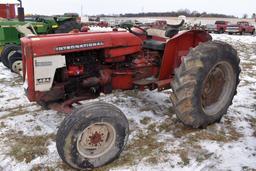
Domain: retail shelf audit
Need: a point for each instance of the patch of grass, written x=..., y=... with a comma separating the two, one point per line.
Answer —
x=170, y=111
x=63, y=166
x=11, y=99
x=16, y=112
x=42, y=168
x=38, y=128
x=226, y=134
x=146, y=108
x=201, y=158
x=230, y=134
x=152, y=160
x=152, y=128
x=183, y=153
x=142, y=146
x=246, y=168
x=27, y=148
x=127, y=159
x=180, y=130
x=2, y=125
x=252, y=122
x=145, y=120
x=166, y=126
x=131, y=93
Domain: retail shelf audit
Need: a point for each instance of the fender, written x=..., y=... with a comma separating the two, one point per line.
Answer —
x=177, y=47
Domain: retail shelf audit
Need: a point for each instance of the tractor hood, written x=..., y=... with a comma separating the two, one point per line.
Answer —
x=65, y=43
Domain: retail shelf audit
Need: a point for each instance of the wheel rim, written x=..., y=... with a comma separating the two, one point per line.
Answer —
x=17, y=66
x=217, y=88
x=96, y=140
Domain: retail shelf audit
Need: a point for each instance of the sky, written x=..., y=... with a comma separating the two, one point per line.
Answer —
x=92, y=7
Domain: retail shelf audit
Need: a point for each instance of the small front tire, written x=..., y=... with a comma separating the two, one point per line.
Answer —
x=92, y=136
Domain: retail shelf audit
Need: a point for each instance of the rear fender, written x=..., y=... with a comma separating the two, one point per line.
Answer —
x=179, y=46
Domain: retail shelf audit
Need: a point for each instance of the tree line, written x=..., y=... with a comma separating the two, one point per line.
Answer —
x=185, y=12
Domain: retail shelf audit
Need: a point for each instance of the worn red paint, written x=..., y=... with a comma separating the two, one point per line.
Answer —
x=115, y=46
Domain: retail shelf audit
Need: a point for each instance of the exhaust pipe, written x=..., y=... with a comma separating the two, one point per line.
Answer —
x=21, y=14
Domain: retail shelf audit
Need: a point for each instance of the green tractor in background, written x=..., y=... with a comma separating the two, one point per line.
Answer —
x=12, y=30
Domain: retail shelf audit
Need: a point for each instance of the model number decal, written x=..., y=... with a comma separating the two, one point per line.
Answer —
x=79, y=46
x=43, y=81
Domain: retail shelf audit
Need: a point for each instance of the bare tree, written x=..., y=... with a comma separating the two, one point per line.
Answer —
x=245, y=16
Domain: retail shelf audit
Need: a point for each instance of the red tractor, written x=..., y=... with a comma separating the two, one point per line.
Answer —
x=63, y=69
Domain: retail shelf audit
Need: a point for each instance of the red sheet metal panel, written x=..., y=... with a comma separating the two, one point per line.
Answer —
x=64, y=43
x=177, y=47
x=7, y=11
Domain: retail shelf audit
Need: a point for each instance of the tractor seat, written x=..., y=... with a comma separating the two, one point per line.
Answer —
x=154, y=45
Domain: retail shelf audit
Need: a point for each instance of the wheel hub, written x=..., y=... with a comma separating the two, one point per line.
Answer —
x=213, y=87
x=96, y=140
x=17, y=66
x=217, y=88
x=94, y=136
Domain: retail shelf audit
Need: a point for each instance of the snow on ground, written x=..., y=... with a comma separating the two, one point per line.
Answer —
x=158, y=141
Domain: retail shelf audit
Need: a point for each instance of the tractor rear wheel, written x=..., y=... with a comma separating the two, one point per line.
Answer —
x=68, y=26
x=205, y=84
x=7, y=52
x=92, y=136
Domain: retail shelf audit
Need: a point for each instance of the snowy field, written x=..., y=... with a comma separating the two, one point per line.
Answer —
x=157, y=142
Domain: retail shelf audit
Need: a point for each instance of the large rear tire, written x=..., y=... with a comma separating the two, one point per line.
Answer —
x=68, y=26
x=7, y=52
x=92, y=136
x=205, y=84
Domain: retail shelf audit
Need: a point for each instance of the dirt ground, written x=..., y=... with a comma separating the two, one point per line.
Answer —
x=158, y=141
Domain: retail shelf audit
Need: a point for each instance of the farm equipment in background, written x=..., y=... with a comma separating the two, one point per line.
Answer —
x=64, y=69
x=10, y=35
x=91, y=21
x=7, y=11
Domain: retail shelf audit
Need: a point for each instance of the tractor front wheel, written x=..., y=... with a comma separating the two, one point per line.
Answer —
x=205, y=84
x=92, y=136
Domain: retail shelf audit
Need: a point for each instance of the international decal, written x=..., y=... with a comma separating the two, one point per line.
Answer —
x=79, y=46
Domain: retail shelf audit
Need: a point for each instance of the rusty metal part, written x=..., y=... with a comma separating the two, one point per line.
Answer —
x=89, y=82
x=213, y=86
x=96, y=140
x=57, y=92
x=217, y=87
x=66, y=106
x=164, y=84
